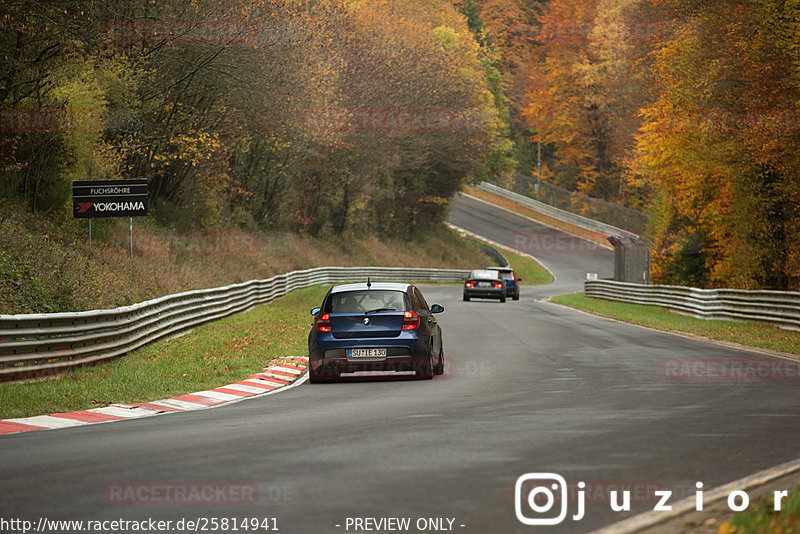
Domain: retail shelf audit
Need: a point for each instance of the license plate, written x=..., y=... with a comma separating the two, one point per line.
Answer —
x=484, y=284
x=366, y=353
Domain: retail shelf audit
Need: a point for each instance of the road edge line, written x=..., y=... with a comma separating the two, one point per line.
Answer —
x=687, y=505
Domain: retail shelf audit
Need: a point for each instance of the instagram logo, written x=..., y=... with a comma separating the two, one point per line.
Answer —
x=536, y=496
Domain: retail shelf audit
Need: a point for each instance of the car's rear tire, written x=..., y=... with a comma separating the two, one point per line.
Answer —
x=515, y=297
x=503, y=298
x=314, y=378
x=466, y=298
x=322, y=375
x=439, y=369
x=425, y=369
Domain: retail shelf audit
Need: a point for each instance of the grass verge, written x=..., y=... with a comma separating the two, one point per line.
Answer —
x=763, y=518
x=530, y=270
x=209, y=356
x=745, y=333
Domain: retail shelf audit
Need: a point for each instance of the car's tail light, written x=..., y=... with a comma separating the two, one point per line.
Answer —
x=324, y=323
x=513, y=277
x=470, y=284
x=410, y=320
x=498, y=284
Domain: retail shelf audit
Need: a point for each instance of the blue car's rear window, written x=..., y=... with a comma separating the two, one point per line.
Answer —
x=366, y=300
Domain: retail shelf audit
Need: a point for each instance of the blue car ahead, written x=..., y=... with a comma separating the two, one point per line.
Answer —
x=374, y=327
x=510, y=280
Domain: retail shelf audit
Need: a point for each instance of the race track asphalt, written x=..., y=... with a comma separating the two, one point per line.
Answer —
x=530, y=387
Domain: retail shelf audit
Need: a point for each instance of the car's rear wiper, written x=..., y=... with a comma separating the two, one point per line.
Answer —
x=379, y=310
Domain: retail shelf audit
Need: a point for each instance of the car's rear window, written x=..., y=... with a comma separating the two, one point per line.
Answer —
x=505, y=275
x=484, y=275
x=366, y=300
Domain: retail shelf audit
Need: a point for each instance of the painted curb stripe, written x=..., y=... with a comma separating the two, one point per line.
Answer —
x=158, y=408
x=199, y=399
x=249, y=388
x=281, y=373
x=48, y=421
x=294, y=365
x=262, y=383
x=271, y=371
x=89, y=417
x=286, y=369
x=273, y=376
x=217, y=395
x=9, y=427
x=237, y=392
x=126, y=411
x=180, y=404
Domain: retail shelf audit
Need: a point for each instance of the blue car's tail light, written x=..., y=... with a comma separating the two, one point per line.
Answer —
x=324, y=323
x=410, y=320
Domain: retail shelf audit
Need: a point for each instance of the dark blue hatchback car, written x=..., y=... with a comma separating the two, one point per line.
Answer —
x=374, y=327
x=509, y=279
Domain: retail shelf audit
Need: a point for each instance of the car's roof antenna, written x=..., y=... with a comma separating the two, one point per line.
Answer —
x=369, y=284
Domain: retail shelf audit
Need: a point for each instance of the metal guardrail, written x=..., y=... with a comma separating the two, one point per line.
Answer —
x=780, y=308
x=595, y=208
x=494, y=253
x=631, y=253
x=34, y=345
x=556, y=213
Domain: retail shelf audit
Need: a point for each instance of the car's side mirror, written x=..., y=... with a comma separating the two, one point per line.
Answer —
x=437, y=308
x=316, y=311
x=519, y=279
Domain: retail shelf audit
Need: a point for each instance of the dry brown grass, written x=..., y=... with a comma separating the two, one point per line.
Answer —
x=48, y=266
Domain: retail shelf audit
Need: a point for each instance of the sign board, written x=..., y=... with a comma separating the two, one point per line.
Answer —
x=109, y=198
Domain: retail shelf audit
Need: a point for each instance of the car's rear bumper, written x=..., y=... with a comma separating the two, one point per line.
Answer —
x=337, y=366
x=404, y=353
x=485, y=293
